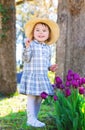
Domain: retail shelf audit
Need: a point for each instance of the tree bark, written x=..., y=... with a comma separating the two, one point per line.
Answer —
x=70, y=50
x=7, y=47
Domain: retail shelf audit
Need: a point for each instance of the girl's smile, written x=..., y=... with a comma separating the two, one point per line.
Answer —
x=41, y=32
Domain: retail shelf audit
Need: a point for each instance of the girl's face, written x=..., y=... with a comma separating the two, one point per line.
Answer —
x=41, y=32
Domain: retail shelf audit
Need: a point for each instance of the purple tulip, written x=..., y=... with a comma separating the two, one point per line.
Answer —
x=58, y=85
x=82, y=90
x=70, y=72
x=80, y=81
x=76, y=76
x=69, y=77
x=55, y=97
x=62, y=86
x=67, y=92
x=58, y=80
x=83, y=80
x=68, y=84
x=75, y=83
x=44, y=95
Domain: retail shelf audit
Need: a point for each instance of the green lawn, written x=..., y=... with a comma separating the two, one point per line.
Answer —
x=13, y=114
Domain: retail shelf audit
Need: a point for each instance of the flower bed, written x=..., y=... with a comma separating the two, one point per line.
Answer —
x=69, y=105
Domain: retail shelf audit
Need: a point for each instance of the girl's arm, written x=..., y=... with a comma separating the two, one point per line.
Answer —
x=51, y=67
x=27, y=54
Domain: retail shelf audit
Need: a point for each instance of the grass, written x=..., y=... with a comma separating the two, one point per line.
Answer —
x=13, y=114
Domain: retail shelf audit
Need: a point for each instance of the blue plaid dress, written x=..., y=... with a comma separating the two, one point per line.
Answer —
x=35, y=79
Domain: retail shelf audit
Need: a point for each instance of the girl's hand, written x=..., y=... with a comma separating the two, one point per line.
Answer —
x=27, y=42
x=53, y=68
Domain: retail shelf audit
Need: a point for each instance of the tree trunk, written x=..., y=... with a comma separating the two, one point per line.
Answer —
x=70, y=48
x=7, y=47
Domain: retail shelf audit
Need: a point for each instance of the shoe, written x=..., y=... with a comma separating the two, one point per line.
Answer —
x=35, y=123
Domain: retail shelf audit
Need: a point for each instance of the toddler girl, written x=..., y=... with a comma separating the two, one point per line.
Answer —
x=36, y=56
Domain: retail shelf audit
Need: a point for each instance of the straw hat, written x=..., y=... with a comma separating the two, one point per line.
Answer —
x=29, y=26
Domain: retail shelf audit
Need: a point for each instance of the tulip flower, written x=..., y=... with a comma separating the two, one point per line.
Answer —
x=55, y=97
x=67, y=92
x=76, y=76
x=69, y=77
x=82, y=90
x=70, y=72
x=75, y=83
x=44, y=95
x=58, y=80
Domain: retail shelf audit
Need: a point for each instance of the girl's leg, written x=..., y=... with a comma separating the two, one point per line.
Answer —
x=37, y=105
x=31, y=106
x=32, y=111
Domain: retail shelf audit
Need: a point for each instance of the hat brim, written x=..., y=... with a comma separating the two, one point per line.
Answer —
x=29, y=26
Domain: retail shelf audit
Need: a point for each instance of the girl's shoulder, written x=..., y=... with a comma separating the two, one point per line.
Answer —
x=33, y=42
x=48, y=46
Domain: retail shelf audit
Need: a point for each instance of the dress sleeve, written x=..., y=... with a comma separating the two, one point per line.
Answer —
x=27, y=54
x=49, y=59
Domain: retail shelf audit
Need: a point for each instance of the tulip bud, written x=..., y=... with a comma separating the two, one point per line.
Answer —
x=81, y=90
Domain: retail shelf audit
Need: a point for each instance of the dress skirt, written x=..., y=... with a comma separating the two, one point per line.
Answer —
x=35, y=84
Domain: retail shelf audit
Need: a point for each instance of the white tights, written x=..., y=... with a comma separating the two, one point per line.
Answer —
x=33, y=105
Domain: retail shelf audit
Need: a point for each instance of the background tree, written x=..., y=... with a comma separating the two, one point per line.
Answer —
x=7, y=47
x=70, y=49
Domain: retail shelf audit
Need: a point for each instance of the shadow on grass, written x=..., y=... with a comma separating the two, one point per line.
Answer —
x=17, y=121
